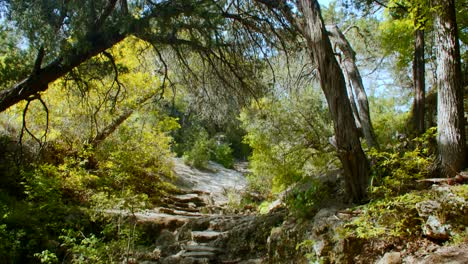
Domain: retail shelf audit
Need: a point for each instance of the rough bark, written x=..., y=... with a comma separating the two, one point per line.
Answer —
x=351, y=71
x=350, y=153
x=352, y=101
x=419, y=83
x=450, y=120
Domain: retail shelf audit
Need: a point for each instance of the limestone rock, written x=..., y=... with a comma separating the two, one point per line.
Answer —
x=390, y=258
x=205, y=236
x=435, y=229
x=165, y=238
x=427, y=208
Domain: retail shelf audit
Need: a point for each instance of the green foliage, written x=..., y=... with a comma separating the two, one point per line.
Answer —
x=402, y=18
x=11, y=54
x=137, y=158
x=204, y=149
x=397, y=39
x=397, y=216
x=222, y=154
x=393, y=217
x=199, y=154
x=307, y=246
x=306, y=198
x=47, y=257
x=394, y=172
x=289, y=139
x=83, y=249
x=387, y=118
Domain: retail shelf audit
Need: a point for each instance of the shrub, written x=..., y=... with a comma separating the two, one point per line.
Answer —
x=307, y=196
x=200, y=153
x=222, y=154
x=395, y=172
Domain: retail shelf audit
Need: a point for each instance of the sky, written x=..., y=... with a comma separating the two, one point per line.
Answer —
x=324, y=2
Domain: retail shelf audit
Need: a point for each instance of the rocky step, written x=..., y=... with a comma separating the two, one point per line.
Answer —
x=206, y=236
x=179, y=208
x=201, y=248
x=191, y=191
x=187, y=198
x=171, y=211
x=180, y=204
x=199, y=254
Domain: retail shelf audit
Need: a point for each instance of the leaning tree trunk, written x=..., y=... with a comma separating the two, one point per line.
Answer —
x=419, y=83
x=450, y=120
x=350, y=153
x=351, y=71
x=112, y=126
x=352, y=101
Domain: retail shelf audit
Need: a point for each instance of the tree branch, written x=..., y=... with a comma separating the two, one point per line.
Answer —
x=38, y=82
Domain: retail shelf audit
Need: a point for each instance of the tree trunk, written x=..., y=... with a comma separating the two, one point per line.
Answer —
x=350, y=153
x=110, y=128
x=450, y=120
x=351, y=71
x=352, y=101
x=419, y=83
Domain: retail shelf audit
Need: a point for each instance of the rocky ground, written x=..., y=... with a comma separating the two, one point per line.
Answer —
x=195, y=226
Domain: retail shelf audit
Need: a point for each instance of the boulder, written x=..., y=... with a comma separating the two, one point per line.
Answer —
x=435, y=229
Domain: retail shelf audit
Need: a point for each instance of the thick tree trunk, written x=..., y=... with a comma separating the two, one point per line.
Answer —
x=350, y=153
x=351, y=71
x=419, y=83
x=39, y=80
x=450, y=120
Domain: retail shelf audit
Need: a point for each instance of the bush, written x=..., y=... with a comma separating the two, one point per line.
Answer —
x=395, y=172
x=205, y=149
x=222, y=154
x=307, y=196
x=200, y=153
x=289, y=139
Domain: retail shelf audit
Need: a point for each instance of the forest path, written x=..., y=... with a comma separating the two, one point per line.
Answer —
x=195, y=225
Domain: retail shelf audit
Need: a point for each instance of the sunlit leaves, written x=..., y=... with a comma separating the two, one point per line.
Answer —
x=289, y=138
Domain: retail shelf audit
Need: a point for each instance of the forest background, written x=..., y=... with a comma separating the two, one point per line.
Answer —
x=97, y=97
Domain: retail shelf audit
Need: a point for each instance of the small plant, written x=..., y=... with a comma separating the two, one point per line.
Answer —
x=306, y=198
x=395, y=217
x=47, y=257
x=307, y=246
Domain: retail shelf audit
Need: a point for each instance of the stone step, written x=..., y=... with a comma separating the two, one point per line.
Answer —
x=199, y=254
x=187, y=198
x=205, y=236
x=177, y=202
x=190, y=191
x=201, y=248
x=186, y=209
x=171, y=211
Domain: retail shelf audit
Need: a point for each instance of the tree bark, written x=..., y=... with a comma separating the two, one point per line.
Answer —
x=350, y=153
x=419, y=83
x=450, y=120
x=352, y=101
x=351, y=71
